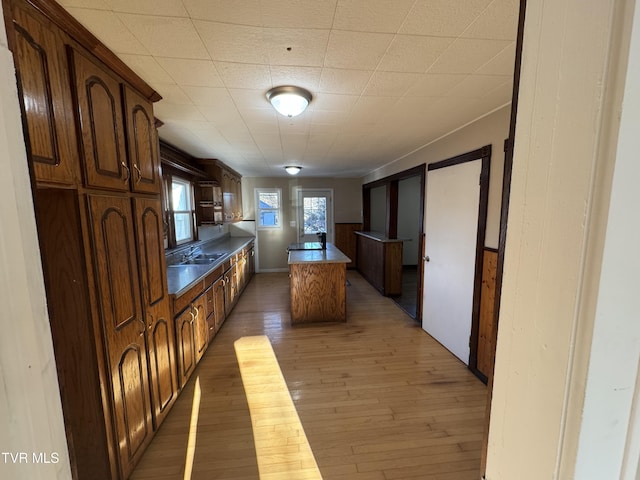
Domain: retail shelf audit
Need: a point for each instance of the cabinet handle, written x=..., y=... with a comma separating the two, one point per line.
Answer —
x=138, y=172
x=150, y=324
x=128, y=172
x=193, y=317
x=144, y=327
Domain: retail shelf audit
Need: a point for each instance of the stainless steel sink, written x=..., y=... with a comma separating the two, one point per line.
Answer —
x=213, y=256
x=201, y=259
x=198, y=261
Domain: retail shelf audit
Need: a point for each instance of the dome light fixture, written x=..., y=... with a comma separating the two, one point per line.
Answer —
x=288, y=100
x=292, y=169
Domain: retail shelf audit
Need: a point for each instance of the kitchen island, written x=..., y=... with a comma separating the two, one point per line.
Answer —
x=318, y=285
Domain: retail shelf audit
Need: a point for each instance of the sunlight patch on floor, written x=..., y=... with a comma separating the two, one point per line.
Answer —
x=193, y=431
x=282, y=449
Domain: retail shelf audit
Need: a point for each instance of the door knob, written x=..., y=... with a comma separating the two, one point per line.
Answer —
x=426, y=258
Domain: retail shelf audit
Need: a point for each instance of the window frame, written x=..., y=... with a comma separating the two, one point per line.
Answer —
x=259, y=210
x=169, y=212
x=189, y=212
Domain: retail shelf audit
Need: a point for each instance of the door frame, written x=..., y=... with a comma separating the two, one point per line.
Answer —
x=391, y=220
x=483, y=154
x=330, y=212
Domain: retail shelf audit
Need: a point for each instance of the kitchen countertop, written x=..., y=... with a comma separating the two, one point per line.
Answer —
x=181, y=278
x=305, y=246
x=330, y=255
x=379, y=237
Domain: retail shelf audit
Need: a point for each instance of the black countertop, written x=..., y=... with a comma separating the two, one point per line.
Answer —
x=305, y=246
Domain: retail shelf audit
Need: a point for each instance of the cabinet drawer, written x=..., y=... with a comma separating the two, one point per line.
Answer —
x=213, y=276
x=186, y=298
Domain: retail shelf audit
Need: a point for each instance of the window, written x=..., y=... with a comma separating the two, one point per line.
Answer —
x=182, y=208
x=269, y=208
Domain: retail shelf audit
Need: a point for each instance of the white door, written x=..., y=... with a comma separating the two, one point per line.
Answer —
x=451, y=227
x=315, y=214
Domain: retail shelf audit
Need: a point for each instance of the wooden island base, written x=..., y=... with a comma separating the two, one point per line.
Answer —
x=318, y=286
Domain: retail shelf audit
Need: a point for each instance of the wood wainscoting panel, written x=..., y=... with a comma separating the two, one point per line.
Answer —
x=345, y=240
x=486, y=348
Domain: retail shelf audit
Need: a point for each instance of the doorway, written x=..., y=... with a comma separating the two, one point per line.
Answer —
x=315, y=214
x=455, y=224
x=393, y=207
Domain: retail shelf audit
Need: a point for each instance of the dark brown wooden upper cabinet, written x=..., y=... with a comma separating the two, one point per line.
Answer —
x=99, y=105
x=143, y=143
x=42, y=71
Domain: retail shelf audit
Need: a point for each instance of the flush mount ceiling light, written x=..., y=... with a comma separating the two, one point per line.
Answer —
x=288, y=100
x=293, y=170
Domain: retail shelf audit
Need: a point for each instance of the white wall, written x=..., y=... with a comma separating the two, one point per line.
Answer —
x=271, y=245
x=567, y=353
x=30, y=410
x=609, y=441
x=378, y=209
x=493, y=129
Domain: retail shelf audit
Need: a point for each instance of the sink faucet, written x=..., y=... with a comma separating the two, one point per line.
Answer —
x=323, y=239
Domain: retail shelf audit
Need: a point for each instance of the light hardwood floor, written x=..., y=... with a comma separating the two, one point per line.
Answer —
x=378, y=398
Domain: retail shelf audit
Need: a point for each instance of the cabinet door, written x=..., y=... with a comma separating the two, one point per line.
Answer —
x=202, y=328
x=240, y=270
x=218, y=300
x=230, y=289
x=228, y=196
x=100, y=110
x=238, y=197
x=46, y=99
x=251, y=260
x=211, y=318
x=155, y=300
x=185, y=344
x=122, y=324
x=143, y=143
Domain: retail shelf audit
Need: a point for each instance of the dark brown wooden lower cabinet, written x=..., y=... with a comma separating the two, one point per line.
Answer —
x=110, y=320
x=230, y=289
x=156, y=306
x=192, y=330
x=122, y=324
x=185, y=344
x=218, y=303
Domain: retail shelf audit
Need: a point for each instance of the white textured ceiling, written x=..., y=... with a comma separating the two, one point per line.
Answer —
x=387, y=76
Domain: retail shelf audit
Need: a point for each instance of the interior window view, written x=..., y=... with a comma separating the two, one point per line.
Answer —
x=338, y=239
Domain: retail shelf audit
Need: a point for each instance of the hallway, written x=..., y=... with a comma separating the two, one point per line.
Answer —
x=377, y=397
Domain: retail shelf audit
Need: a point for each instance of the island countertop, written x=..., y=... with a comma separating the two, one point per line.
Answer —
x=330, y=255
x=379, y=237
